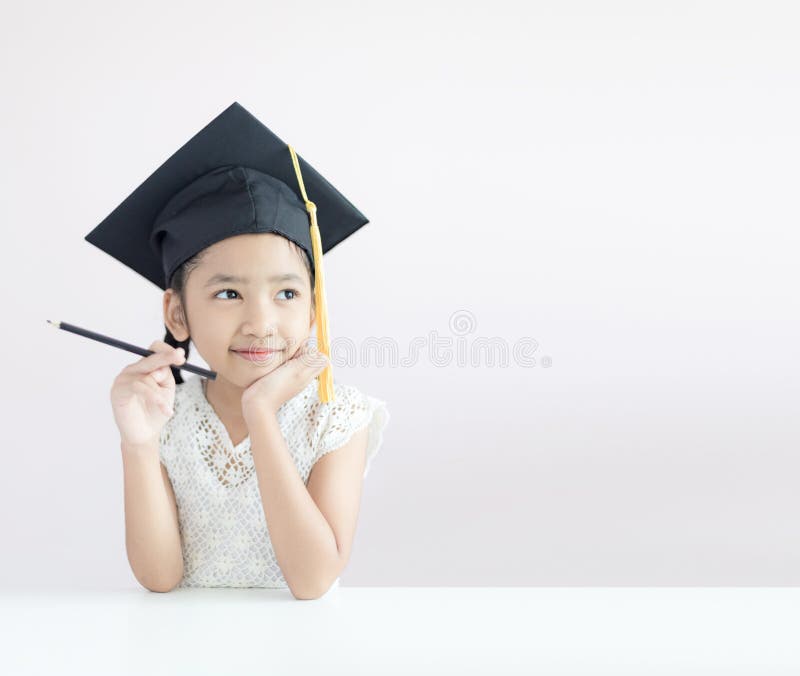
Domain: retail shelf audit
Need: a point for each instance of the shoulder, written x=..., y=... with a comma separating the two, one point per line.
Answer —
x=189, y=388
x=188, y=397
x=184, y=407
x=350, y=407
x=351, y=410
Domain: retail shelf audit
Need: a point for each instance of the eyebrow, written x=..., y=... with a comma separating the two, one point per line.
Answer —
x=224, y=278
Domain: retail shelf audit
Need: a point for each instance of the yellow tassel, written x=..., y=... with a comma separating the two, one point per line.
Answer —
x=326, y=393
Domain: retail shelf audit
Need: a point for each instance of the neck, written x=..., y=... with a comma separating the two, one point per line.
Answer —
x=225, y=397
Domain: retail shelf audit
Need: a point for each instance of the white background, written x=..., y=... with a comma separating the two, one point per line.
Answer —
x=616, y=181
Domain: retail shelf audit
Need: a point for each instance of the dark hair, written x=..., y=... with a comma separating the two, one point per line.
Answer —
x=178, y=284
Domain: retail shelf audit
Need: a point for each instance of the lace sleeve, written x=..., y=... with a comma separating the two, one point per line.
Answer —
x=166, y=442
x=164, y=445
x=349, y=412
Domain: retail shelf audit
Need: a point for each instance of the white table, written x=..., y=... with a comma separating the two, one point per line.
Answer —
x=381, y=630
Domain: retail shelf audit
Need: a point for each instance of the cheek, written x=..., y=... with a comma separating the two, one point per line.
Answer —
x=213, y=335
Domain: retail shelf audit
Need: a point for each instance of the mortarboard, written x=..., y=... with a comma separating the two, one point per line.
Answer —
x=233, y=177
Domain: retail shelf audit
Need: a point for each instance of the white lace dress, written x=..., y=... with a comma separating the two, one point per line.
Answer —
x=224, y=533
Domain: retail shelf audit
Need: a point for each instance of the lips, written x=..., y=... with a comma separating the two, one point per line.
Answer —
x=259, y=356
x=256, y=352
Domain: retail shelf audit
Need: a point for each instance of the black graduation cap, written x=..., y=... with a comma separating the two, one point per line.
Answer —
x=233, y=177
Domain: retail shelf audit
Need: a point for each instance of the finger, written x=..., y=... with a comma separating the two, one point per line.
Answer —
x=298, y=352
x=163, y=377
x=152, y=397
x=160, y=346
x=148, y=380
x=160, y=358
x=317, y=362
x=308, y=350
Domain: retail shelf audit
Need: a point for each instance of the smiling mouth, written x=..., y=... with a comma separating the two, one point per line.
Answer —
x=254, y=351
x=256, y=355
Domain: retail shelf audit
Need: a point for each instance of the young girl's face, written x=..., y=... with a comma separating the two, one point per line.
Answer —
x=267, y=304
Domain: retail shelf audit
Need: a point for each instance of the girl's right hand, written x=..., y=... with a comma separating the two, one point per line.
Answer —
x=143, y=395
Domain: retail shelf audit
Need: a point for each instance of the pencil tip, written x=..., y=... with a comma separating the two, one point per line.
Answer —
x=56, y=324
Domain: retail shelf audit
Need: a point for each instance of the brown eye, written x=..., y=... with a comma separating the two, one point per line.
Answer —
x=292, y=291
x=226, y=291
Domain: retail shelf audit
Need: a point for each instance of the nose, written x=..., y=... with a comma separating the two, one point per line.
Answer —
x=260, y=319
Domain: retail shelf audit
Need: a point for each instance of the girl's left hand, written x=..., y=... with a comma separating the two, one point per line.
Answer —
x=271, y=391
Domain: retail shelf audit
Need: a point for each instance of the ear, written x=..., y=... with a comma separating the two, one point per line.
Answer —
x=174, y=317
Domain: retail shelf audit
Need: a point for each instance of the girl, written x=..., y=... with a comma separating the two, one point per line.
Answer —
x=248, y=492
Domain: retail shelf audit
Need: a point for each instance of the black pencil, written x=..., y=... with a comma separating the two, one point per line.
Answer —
x=144, y=352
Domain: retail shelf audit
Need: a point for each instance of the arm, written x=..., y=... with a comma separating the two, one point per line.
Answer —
x=152, y=537
x=304, y=542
